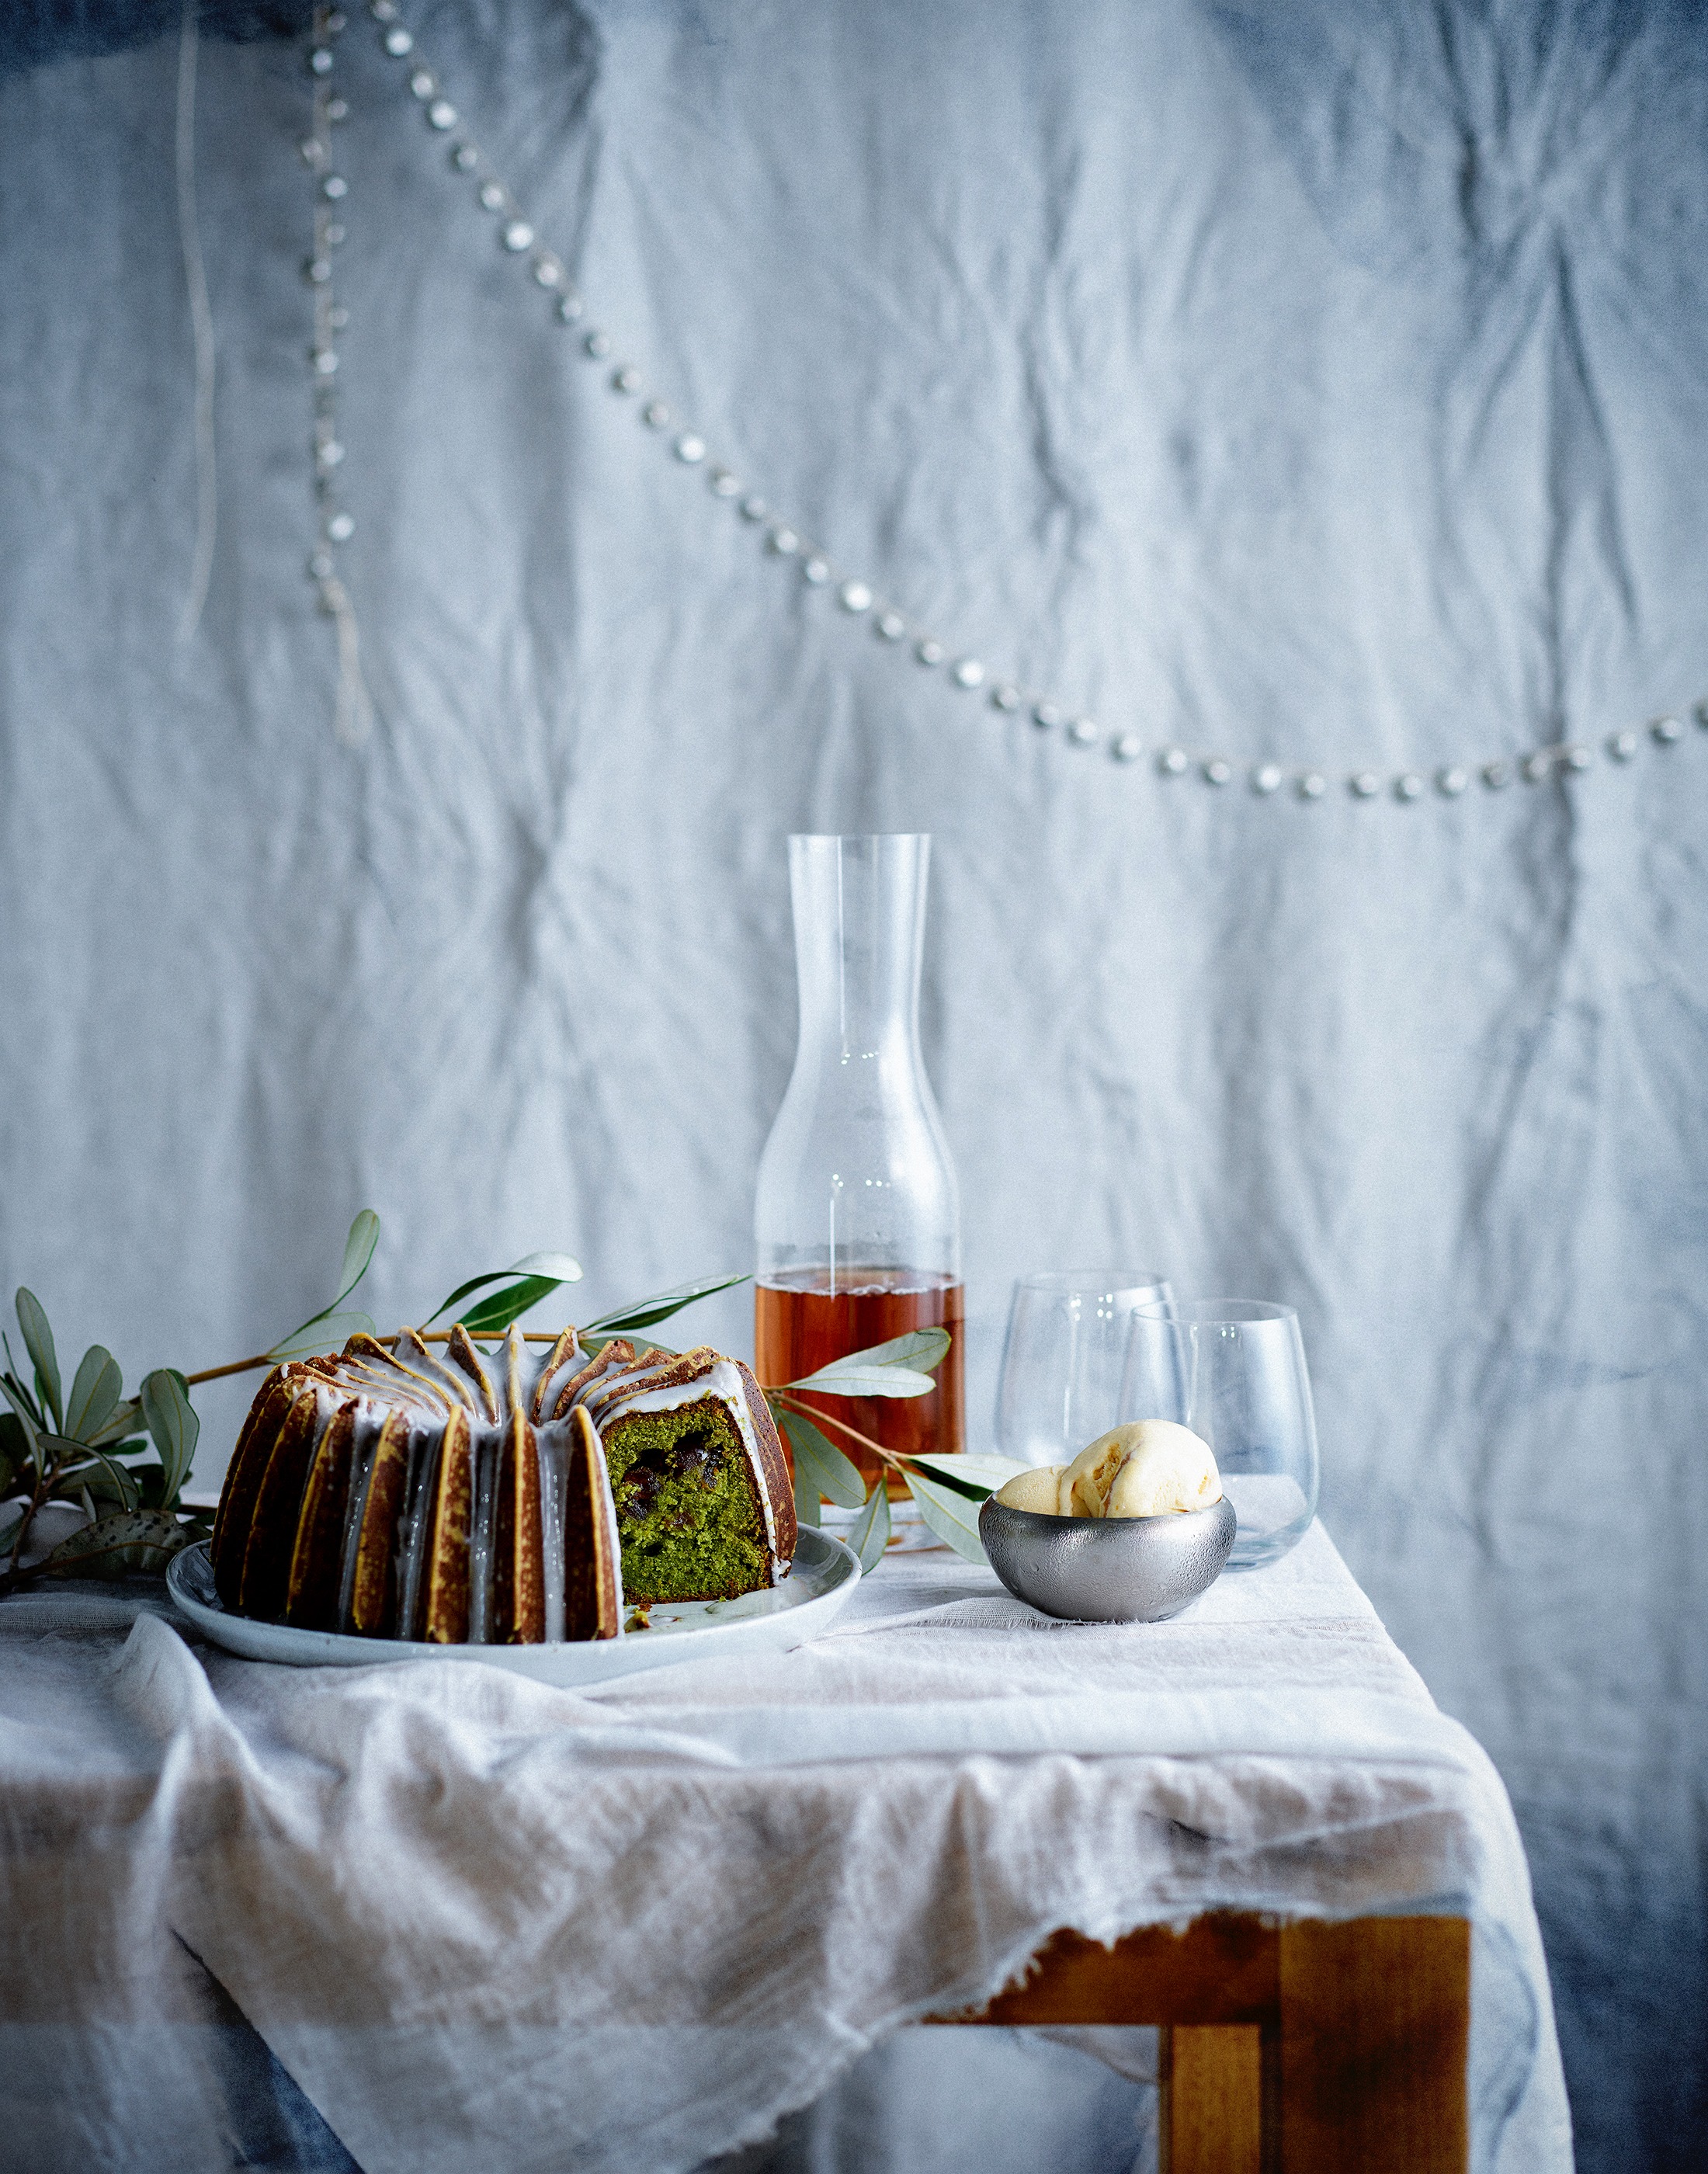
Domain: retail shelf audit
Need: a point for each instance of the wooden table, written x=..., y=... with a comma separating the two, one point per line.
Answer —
x=1308, y=2048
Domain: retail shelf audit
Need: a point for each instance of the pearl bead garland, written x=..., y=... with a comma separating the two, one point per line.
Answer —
x=817, y=570
x=353, y=714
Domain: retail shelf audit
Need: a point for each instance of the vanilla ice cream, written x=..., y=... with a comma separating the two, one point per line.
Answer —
x=1147, y=1469
x=1035, y=1490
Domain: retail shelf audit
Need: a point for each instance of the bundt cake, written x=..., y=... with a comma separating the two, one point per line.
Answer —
x=502, y=1498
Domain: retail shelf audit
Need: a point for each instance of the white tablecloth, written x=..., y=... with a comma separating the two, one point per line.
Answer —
x=487, y=1924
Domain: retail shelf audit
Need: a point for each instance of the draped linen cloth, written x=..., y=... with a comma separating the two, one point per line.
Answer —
x=1301, y=381
x=481, y=1921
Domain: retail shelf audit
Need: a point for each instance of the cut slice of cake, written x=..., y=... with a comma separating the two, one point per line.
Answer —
x=704, y=1505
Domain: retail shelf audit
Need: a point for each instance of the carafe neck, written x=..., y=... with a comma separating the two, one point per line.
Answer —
x=856, y=1180
x=859, y=909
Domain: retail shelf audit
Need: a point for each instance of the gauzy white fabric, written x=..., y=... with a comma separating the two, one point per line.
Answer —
x=484, y=1922
x=1305, y=379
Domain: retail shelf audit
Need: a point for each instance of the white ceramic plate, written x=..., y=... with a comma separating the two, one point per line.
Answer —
x=825, y=1574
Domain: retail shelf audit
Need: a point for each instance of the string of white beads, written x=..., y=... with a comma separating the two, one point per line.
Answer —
x=336, y=522
x=856, y=595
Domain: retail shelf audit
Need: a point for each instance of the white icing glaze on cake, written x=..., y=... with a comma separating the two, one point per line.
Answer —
x=498, y=1391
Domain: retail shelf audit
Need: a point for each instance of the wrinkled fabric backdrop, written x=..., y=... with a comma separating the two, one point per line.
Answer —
x=1303, y=382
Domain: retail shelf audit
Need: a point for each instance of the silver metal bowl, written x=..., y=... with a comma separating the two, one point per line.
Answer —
x=1108, y=1570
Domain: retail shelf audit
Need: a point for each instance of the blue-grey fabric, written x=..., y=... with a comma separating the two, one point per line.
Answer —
x=1304, y=381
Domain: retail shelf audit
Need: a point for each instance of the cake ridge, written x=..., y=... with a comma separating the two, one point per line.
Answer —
x=592, y=1550
x=609, y=1359
x=566, y=1352
x=462, y=1352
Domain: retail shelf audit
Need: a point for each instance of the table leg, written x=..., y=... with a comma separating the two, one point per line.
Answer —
x=1307, y=2048
x=1374, y=2030
x=1212, y=2099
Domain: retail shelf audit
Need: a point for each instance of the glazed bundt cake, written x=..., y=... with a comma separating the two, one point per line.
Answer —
x=467, y=1498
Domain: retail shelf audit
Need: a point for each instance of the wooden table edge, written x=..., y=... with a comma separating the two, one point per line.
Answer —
x=1303, y=2046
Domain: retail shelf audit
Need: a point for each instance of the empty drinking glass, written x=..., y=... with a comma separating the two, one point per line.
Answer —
x=1233, y=1370
x=1063, y=1360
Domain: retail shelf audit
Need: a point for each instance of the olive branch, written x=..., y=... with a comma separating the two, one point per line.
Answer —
x=948, y=1488
x=91, y=1448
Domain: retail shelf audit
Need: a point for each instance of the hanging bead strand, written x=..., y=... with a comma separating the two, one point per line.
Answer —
x=858, y=598
x=353, y=714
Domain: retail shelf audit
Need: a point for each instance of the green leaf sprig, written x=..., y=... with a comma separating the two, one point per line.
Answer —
x=83, y=1449
x=330, y=1327
x=648, y=1312
x=537, y=1275
x=948, y=1488
x=87, y=1447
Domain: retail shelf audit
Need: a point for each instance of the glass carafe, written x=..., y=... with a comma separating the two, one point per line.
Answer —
x=857, y=1219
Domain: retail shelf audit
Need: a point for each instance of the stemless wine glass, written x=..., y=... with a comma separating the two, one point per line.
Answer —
x=1063, y=1360
x=1233, y=1370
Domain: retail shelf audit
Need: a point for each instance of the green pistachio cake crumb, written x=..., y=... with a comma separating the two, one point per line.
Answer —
x=687, y=1516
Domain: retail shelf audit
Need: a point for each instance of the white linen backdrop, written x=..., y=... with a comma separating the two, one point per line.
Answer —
x=1304, y=382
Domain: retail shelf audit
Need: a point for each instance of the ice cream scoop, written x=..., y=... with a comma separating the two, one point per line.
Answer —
x=1035, y=1489
x=1088, y=1479
x=1146, y=1468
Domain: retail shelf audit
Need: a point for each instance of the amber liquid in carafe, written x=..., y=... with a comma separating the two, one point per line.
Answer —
x=801, y=1324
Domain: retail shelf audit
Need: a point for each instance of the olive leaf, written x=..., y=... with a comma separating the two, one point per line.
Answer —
x=894, y=1369
x=326, y=1325
x=849, y=1377
x=124, y=1419
x=325, y=1332
x=59, y=1452
x=646, y=1311
x=822, y=1462
x=119, y=1486
x=869, y=1534
x=38, y=1341
x=496, y=1313
x=949, y=1487
x=84, y=1467
x=172, y=1421
x=363, y=1236
x=540, y=1273
x=128, y=1540
x=807, y=1500
x=129, y=1486
x=12, y=1377
x=950, y=1516
x=923, y=1349
x=974, y=1477
x=95, y=1393
x=24, y=1413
